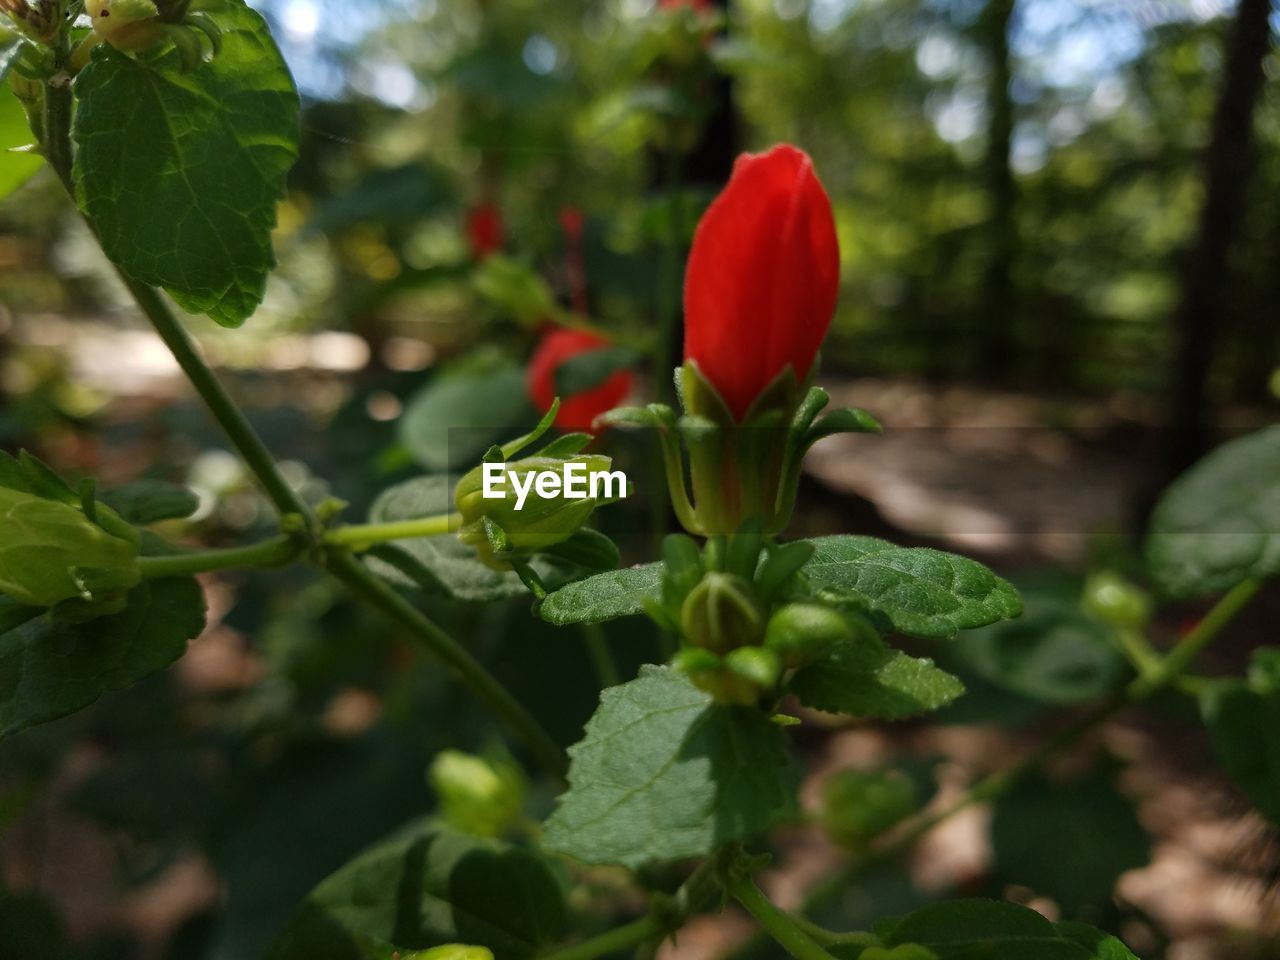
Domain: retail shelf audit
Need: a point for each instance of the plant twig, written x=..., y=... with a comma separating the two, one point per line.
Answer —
x=361, y=535
x=665, y=916
x=276, y=552
x=790, y=935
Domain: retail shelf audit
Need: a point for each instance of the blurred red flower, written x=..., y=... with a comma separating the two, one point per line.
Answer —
x=576, y=411
x=484, y=230
x=761, y=283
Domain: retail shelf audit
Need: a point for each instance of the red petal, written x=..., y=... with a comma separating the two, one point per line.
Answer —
x=762, y=278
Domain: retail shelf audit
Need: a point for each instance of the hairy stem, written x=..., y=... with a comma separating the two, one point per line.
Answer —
x=790, y=935
x=276, y=552
x=361, y=535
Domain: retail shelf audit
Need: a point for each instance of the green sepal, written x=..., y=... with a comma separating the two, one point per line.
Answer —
x=844, y=420
x=780, y=567
x=682, y=569
x=699, y=398
x=569, y=445
x=512, y=447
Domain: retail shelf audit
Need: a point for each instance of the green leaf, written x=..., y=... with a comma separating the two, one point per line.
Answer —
x=1046, y=836
x=1053, y=654
x=1219, y=523
x=49, y=668
x=865, y=678
x=150, y=501
x=16, y=168
x=452, y=421
x=1244, y=722
x=180, y=172
x=592, y=368
x=995, y=930
x=923, y=592
x=606, y=596
x=423, y=887
x=663, y=773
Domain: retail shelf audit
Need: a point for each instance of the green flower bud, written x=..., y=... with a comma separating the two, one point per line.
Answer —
x=537, y=502
x=721, y=614
x=130, y=26
x=1116, y=601
x=451, y=951
x=756, y=664
x=477, y=796
x=799, y=633
x=53, y=553
x=858, y=806
x=708, y=672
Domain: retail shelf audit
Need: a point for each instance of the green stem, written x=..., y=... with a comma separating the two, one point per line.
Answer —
x=666, y=917
x=1189, y=647
x=601, y=658
x=229, y=416
x=792, y=936
x=57, y=117
x=380, y=594
x=613, y=941
x=57, y=150
x=361, y=535
x=275, y=552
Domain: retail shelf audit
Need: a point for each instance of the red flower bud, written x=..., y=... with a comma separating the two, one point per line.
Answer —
x=579, y=410
x=702, y=6
x=760, y=288
x=484, y=230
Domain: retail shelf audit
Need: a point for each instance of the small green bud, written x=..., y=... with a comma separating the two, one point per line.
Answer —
x=130, y=26
x=695, y=660
x=858, y=806
x=537, y=502
x=52, y=552
x=477, y=796
x=756, y=664
x=451, y=951
x=799, y=633
x=1116, y=601
x=721, y=614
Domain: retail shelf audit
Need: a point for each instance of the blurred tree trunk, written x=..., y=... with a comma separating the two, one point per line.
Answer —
x=1206, y=270
x=710, y=162
x=997, y=319
x=706, y=166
